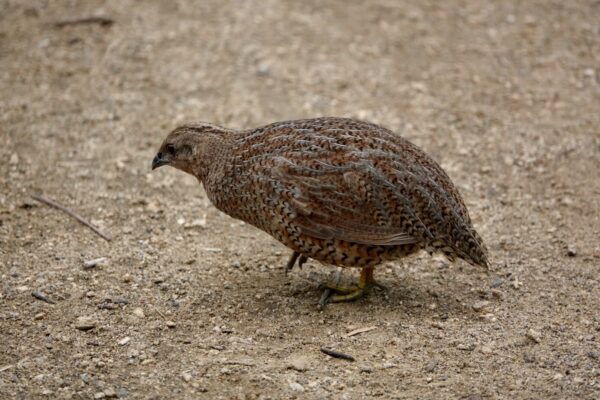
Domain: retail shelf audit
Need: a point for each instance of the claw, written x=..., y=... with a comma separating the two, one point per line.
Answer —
x=353, y=293
x=350, y=296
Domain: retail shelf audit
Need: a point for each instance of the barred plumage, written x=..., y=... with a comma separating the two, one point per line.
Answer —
x=341, y=191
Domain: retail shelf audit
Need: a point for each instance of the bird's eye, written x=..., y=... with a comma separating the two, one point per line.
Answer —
x=170, y=149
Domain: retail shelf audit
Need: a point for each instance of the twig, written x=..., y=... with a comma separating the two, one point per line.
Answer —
x=43, y=199
x=42, y=297
x=161, y=314
x=360, y=330
x=238, y=362
x=94, y=262
x=102, y=21
x=336, y=354
x=327, y=292
x=2, y=369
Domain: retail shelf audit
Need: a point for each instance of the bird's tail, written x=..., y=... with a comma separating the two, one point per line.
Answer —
x=469, y=247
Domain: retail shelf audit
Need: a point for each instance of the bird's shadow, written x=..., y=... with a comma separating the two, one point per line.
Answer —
x=434, y=295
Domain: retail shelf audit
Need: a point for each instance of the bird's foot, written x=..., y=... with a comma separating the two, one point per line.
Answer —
x=340, y=289
x=343, y=294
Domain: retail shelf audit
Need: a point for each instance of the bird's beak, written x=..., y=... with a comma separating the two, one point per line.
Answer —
x=158, y=161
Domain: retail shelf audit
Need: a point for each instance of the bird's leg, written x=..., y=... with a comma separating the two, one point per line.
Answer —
x=302, y=260
x=365, y=282
x=290, y=264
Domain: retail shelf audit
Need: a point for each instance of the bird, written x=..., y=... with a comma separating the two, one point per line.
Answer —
x=341, y=191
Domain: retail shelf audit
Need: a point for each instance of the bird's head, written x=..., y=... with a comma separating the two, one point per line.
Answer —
x=191, y=147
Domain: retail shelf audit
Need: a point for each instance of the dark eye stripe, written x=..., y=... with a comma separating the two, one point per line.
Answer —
x=171, y=149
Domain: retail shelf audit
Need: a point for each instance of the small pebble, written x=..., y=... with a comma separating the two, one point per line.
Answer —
x=85, y=323
x=299, y=364
x=171, y=324
x=39, y=316
x=534, y=335
x=557, y=376
x=366, y=369
x=488, y=317
x=571, y=251
x=186, y=376
x=213, y=249
x=26, y=205
x=465, y=347
x=110, y=393
x=197, y=223
x=431, y=365
x=99, y=395
x=124, y=341
x=41, y=296
x=480, y=305
x=516, y=283
x=94, y=262
x=296, y=387
x=438, y=325
x=139, y=312
x=225, y=371
x=496, y=282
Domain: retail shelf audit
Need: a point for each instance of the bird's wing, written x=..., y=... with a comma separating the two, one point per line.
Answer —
x=350, y=202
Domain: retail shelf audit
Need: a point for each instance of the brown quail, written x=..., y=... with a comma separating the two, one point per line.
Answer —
x=341, y=191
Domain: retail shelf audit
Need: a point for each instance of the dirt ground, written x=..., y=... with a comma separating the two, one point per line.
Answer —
x=190, y=303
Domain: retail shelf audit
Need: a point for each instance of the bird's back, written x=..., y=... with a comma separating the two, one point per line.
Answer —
x=332, y=182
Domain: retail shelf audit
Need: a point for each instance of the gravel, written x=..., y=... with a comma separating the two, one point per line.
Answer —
x=503, y=94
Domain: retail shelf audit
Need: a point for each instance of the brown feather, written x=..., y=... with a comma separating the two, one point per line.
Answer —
x=338, y=190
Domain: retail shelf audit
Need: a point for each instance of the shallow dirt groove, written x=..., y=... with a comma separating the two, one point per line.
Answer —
x=190, y=303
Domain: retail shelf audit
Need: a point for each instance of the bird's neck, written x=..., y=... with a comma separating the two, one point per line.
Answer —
x=214, y=158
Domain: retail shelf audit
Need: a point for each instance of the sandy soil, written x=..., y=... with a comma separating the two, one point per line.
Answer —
x=193, y=304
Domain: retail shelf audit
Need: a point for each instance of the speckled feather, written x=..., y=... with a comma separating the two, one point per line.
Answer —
x=341, y=191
